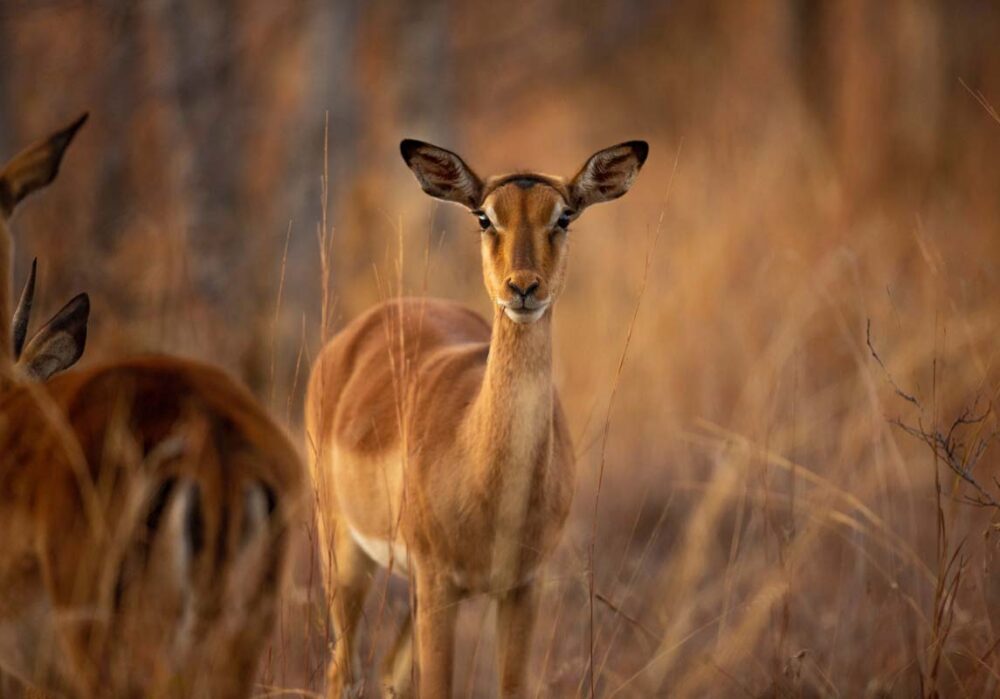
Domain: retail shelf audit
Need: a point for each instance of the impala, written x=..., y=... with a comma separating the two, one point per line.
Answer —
x=144, y=508
x=437, y=443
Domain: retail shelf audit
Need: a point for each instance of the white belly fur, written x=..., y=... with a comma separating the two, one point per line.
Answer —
x=384, y=552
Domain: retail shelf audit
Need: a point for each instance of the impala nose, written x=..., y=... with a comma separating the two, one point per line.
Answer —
x=523, y=287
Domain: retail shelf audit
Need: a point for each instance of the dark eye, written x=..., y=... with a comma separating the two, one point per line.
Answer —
x=564, y=219
x=484, y=220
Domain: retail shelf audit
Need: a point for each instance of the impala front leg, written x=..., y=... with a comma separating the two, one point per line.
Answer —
x=515, y=622
x=437, y=610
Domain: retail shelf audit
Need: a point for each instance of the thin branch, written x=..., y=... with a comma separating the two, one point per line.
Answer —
x=900, y=392
x=951, y=446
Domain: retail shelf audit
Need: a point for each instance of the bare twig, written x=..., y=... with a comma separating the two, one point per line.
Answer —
x=959, y=447
x=899, y=392
x=650, y=634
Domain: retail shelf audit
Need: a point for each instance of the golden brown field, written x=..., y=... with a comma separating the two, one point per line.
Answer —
x=823, y=185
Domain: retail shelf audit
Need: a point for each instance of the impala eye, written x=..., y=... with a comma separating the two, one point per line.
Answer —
x=564, y=219
x=484, y=220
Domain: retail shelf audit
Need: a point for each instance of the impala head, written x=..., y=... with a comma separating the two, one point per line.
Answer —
x=525, y=218
x=30, y=170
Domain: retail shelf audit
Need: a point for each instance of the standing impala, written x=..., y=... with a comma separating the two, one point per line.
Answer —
x=144, y=507
x=437, y=443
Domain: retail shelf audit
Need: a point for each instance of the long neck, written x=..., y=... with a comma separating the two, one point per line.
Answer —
x=6, y=302
x=511, y=436
x=512, y=415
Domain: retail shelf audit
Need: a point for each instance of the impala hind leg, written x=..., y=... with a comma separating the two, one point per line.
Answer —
x=397, y=669
x=347, y=578
x=516, y=611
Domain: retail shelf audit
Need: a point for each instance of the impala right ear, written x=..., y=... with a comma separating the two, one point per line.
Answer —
x=34, y=167
x=59, y=344
x=442, y=174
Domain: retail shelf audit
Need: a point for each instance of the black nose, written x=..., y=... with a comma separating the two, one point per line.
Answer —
x=523, y=292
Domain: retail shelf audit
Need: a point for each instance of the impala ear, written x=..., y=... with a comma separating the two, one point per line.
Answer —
x=442, y=174
x=59, y=344
x=608, y=173
x=22, y=314
x=34, y=167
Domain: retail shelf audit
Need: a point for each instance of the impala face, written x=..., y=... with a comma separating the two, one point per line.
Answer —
x=524, y=223
x=524, y=219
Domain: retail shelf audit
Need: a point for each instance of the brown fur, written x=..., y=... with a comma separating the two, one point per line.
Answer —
x=431, y=429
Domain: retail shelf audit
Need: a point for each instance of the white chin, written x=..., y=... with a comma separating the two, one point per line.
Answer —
x=525, y=317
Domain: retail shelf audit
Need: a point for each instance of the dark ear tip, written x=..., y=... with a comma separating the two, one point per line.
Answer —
x=70, y=131
x=409, y=146
x=80, y=305
x=84, y=319
x=641, y=149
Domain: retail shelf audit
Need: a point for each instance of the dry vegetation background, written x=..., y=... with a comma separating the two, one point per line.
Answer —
x=762, y=527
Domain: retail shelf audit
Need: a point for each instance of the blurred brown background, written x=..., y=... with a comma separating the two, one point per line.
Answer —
x=762, y=528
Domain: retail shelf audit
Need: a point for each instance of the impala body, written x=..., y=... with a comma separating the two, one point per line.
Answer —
x=437, y=442
x=144, y=507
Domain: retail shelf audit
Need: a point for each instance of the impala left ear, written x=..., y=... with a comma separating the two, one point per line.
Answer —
x=608, y=173
x=59, y=344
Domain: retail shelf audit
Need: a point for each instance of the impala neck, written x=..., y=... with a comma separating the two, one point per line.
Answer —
x=513, y=413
